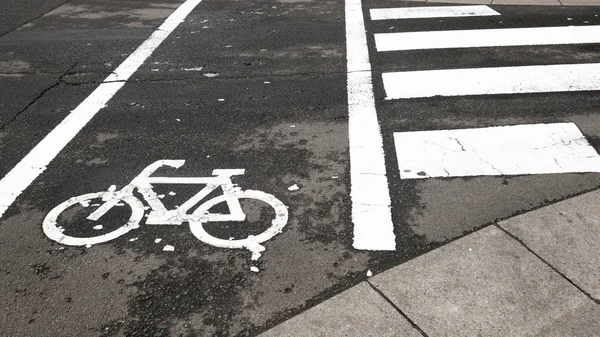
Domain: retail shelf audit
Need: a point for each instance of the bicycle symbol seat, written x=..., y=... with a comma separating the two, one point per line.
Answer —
x=159, y=215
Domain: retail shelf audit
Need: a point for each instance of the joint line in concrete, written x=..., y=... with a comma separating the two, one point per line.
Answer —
x=597, y=301
x=412, y=323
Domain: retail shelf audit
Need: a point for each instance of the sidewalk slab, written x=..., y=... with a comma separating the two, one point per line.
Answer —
x=528, y=2
x=519, y=2
x=580, y=2
x=359, y=311
x=486, y=284
x=567, y=236
x=482, y=2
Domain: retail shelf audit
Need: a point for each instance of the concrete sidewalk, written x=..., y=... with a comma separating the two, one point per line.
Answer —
x=519, y=2
x=537, y=274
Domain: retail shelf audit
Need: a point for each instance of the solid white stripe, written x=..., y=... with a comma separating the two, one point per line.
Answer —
x=487, y=38
x=495, y=151
x=35, y=162
x=430, y=12
x=371, y=213
x=487, y=81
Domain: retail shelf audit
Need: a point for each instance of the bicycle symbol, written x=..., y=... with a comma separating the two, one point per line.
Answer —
x=159, y=215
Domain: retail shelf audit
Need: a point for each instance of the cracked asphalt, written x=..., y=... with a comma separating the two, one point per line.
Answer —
x=258, y=85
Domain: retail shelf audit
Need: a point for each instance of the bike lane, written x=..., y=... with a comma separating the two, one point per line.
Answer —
x=51, y=64
x=258, y=86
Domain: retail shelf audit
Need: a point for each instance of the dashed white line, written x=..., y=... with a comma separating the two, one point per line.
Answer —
x=430, y=12
x=371, y=213
x=487, y=81
x=495, y=151
x=487, y=38
x=35, y=162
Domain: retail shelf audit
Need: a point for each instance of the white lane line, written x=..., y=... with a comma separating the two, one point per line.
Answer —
x=495, y=151
x=371, y=213
x=488, y=81
x=430, y=12
x=487, y=38
x=35, y=162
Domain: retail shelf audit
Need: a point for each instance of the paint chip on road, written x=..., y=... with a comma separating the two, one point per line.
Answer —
x=254, y=269
x=293, y=188
x=168, y=248
x=495, y=151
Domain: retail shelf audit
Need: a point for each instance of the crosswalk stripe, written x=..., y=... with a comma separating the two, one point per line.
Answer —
x=504, y=150
x=487, y=81
x=487, y=38
x=430, y=12
x=371, y=213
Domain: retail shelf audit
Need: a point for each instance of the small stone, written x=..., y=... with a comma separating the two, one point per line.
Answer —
x=157, y=240
x=254, y=269
x=369, y=273
x=293, y=188
x=97, y=227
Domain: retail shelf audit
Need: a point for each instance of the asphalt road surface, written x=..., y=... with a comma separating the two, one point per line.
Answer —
x=253, y=85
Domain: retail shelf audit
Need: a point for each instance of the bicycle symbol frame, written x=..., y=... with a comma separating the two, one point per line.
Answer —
x=160, y=215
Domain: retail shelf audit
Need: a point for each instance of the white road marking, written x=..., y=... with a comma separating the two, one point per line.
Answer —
x=430, y=12
x=160, y=215
x=489, y=81
x=487, y=38
x=371, y=213
x=35, y=162
x=495, y=151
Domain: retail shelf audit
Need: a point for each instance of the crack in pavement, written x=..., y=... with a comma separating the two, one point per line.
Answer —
x=35, y=99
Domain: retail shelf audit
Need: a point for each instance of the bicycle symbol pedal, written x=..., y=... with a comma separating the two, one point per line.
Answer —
x=160, y=215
